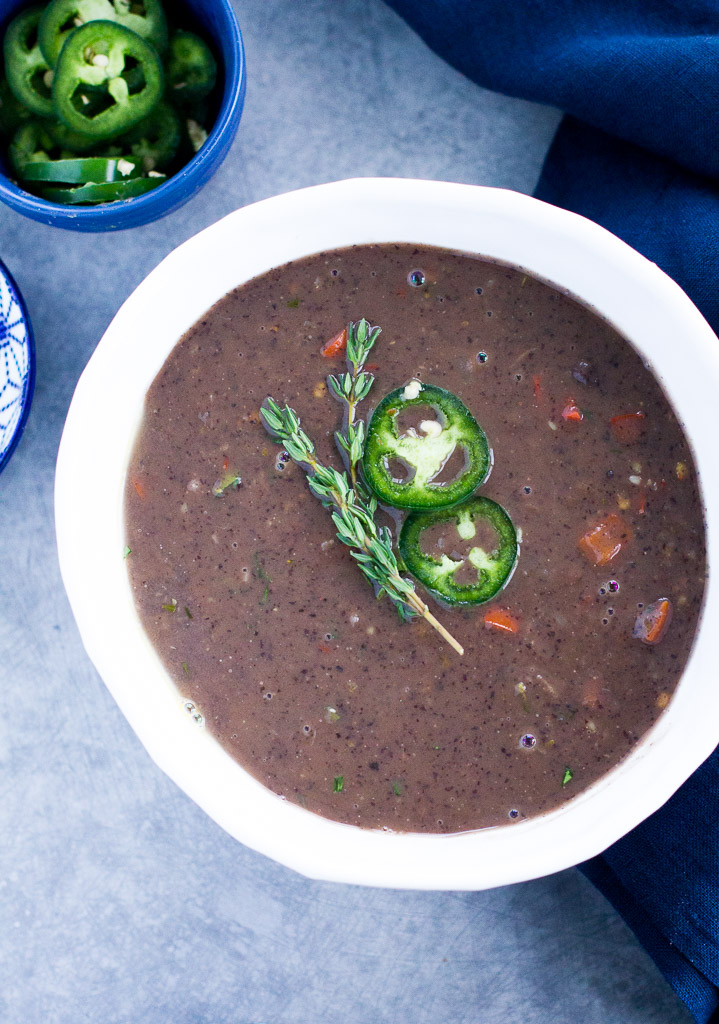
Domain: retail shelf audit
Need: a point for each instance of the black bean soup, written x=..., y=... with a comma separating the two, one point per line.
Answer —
x=276, y=640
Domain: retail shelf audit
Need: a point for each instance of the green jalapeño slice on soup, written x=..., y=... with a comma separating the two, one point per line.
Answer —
x=405, y=464
x=332, y=576
x=484, y=528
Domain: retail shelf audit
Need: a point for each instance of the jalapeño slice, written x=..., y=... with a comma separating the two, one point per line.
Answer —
x=95, y=90
x=28, y=73
x=403, y=466
x=81, y=171
x=12, y=112
x=71, y=141
x=30, y=143
x=104, y=192
x=489, y=563
x=61, y=17
x=190, y=68
x=156, y=139
x=147, y=19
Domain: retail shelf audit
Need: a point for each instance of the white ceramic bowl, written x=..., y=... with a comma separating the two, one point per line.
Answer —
x=576, y=255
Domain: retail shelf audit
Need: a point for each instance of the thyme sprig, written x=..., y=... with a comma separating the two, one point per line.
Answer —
x=351, y=388
x=353, y=516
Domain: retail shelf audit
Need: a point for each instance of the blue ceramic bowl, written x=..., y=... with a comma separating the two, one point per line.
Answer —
x=216, y=19
x=17, y=365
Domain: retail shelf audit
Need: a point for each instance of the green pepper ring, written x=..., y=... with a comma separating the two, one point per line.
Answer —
x=30, y=143
x=82, y=170
x=67, y=139
x=383, y=443
x=24, y=63
x=156, y=139
x=59, y=13
x=494, y=570
x=13, y=113
x=190, y=68
x=152, y=25
x=106, y=192
x=110, y=44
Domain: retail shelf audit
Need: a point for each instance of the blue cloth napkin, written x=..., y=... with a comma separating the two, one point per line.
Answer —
x=639, y=154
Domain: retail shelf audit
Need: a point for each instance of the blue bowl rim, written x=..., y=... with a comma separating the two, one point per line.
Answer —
x=177, y=189
x=30, y=388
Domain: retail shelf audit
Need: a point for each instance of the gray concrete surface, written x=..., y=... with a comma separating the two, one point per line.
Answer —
x=120, y=902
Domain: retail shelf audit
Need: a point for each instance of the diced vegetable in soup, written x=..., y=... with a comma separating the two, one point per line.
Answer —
x=417, y=536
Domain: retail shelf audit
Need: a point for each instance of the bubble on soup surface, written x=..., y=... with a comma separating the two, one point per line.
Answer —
x=528, y=741
x=513, y=813
x=191, y=709
x=482, y=357
x=416, y=278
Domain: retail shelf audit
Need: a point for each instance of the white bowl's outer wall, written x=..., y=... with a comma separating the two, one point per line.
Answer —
x=641, y=301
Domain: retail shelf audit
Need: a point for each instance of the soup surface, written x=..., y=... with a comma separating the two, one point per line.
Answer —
x=275, y=638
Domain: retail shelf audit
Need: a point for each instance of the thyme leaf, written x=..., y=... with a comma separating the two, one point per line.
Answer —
x=353, y=516
x=351, y=389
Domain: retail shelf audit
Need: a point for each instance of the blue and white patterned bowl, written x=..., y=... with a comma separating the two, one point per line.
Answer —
x=17, y=365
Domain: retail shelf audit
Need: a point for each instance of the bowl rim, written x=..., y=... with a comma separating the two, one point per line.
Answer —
x=359, y=210
x=30, y=385
x=182, y=185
